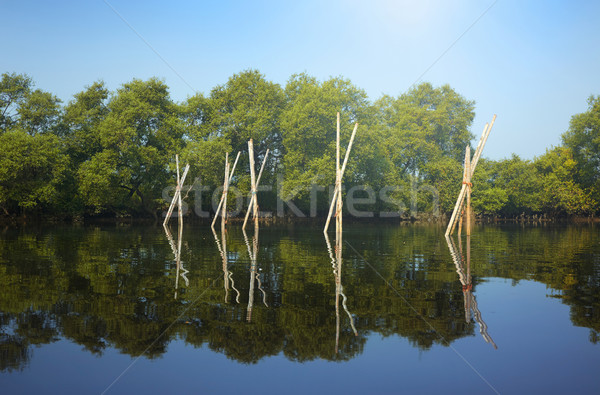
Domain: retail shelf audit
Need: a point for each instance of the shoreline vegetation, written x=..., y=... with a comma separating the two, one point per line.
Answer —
x=111, y=155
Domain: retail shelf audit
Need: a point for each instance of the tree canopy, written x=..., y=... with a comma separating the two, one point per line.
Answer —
x=112, y=153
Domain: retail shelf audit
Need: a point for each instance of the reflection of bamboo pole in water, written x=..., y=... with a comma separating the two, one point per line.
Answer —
x=227, y=274
x=482, y=324
x=465, y=280
x=222, y=246
x=255, y=245
x=336, y=264
x=176, y=248
x=254, y=275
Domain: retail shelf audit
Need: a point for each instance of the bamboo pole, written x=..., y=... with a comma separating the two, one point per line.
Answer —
x=179, y=203
x=480, y=150
x=225, y=190
x=217, y=211
x=253, y=195
x=461, y=196
x=253, y=181
x=466, y=169
x=337, y=191
x=338, y=181
x=468, y=182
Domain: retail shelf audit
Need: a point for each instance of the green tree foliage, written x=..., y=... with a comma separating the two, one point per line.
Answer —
x=39, y=112
x=309, y=129
x=137, y=138
x=562, y=194
x=81, y=120
x=14, y=88
x=583, y=138
x=113, y=152
x=32, y=169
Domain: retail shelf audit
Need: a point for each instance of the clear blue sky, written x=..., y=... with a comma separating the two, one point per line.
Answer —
x=534, y=63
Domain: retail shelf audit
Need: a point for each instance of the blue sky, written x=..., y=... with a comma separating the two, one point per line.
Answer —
x=534, y=63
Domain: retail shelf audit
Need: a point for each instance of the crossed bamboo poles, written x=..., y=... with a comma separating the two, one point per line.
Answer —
x=465, y=191
x=336, y=201
x=254, y=183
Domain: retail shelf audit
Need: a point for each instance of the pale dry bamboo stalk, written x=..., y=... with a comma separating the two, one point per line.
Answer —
x=337, y=189
x=179, y=203
x=218, y=210
x=480, y=150
x=253, y=180
x=468, y=182
x=466, y=171
x=175, y=196
x=253, y=195
x=338, y=181
x=225, y=190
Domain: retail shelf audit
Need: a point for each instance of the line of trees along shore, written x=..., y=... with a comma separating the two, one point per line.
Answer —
x=113, y=153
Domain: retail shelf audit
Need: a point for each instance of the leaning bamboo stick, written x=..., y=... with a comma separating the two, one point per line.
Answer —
x=253, y=195
x=253, y=180
x=225, y=190
x=337, y=189
x=478, y=152
x=468, y=182
x=218, y=210
x=338, y=182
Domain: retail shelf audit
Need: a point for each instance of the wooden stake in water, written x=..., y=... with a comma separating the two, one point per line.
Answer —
x=253, y=195
x=468, y=182
x=225, y=189
x=466, y=169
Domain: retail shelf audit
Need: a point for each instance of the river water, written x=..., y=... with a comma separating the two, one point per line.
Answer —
x=387, y=309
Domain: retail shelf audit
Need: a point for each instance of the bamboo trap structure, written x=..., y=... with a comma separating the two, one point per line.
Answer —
x=336, y=264
x=177, y=195
x=470, y=302
x=222, y=207
x=465, y=191
x=336, y=201
x=253, y=203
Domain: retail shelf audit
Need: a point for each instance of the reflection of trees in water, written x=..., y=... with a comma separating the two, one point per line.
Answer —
x=114, y=288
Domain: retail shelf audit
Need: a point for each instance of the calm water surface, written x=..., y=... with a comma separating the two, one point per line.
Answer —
x=396, y=309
